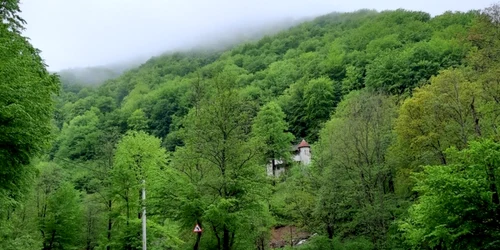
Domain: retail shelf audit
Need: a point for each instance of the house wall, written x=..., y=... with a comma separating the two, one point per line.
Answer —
x=279, y=168
x=304, y=156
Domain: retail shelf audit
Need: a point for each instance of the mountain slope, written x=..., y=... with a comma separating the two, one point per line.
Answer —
x=392, y=51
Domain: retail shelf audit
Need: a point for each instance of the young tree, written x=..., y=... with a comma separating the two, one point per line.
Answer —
x=59, y=209
x=21, y=228
x=61, y=225
x=270, y=134
x=138, y=155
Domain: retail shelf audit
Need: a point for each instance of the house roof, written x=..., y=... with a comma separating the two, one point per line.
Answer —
x=303, y=144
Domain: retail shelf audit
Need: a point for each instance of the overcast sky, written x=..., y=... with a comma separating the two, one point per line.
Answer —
x=81, y=33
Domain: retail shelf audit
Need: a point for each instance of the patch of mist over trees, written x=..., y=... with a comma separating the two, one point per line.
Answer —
x=89, y=75
x=216, y=42
x=401, y=109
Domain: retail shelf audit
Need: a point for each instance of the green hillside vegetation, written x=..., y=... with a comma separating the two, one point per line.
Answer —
x=401, y=108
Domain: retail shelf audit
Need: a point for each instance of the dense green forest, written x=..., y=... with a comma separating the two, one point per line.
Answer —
x=401, y=109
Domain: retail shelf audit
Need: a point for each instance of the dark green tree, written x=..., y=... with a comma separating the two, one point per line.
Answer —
x=26, y=105
x=355, y=187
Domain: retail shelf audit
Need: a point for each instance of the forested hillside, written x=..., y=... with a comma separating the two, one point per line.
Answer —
x=90, y=75
x=402, y=110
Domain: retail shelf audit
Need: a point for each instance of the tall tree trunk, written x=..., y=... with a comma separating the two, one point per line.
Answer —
x=493, y=187
x=52, y=238
x=139, y=214
x=231, y=242
x=476, y=118
x=260, y=242
x=197, y=243
x=329, y=230
x=225, y=239
x=128, y=210
x=110, y=225
x=274, y=167
x=391, y=183
x=128, y=246
x=442, y=157
x=217, y=236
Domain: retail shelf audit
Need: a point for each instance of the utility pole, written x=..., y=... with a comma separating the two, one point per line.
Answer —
x=144, y=247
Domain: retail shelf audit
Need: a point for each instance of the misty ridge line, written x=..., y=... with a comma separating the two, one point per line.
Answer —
x=211, y=42
x=208, y=42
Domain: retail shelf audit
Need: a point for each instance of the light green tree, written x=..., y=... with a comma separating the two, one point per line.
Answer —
x=59, y=209
x=61, y=224
x=138, y=120
x=466, y=191
x=270, y=134
x=138, y=157
x=451, y=111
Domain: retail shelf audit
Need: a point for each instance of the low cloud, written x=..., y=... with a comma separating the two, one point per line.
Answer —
x=82, y=33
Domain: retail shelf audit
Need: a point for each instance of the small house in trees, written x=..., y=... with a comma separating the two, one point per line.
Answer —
x=301, y=154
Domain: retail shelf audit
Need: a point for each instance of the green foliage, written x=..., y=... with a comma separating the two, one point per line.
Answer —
x=138, y=154
x=221, y=175
x=137, y=120
x=279, y=76
x=378, y=94
x=137, y=159
x=321, y=96
x=21, y=229
x=466, y=192
x=25, y=100
x=269, y=129
x=451, y=111
x=77, y=139
x=355, y=189
x=353, y=79
x=61, y=223
x=293, y=200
